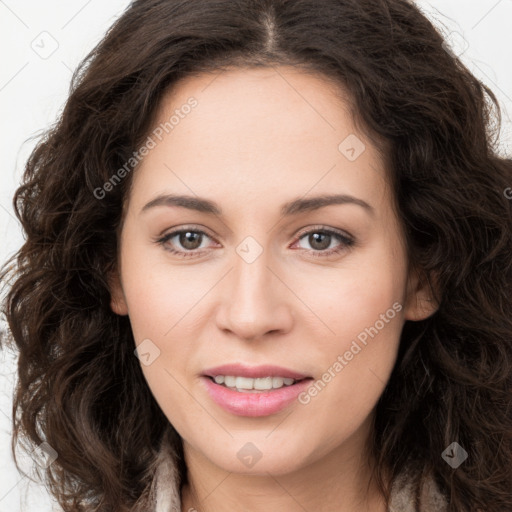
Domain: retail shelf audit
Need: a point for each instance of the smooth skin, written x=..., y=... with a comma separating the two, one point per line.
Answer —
x=257, y=139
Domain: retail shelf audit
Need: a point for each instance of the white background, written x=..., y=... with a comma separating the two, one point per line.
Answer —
x=33, y=90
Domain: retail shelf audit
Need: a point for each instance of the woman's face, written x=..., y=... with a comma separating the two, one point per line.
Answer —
x=269, y=274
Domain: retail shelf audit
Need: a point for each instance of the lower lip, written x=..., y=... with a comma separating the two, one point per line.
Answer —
x=263, y=403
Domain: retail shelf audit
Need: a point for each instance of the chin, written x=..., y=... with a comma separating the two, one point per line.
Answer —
x=257, y=458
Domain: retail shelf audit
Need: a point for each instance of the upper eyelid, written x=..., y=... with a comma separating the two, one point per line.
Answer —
x=334, y=231
x=174, y=231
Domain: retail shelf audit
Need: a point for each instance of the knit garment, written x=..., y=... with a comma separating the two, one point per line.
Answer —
x=164, y=495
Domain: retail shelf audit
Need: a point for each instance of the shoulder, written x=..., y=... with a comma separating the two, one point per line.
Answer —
x=407, y=496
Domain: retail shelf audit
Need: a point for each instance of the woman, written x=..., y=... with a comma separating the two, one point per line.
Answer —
x=267, y=266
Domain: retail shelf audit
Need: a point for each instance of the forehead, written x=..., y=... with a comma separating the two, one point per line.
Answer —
x=258, y=133
x=258, y=105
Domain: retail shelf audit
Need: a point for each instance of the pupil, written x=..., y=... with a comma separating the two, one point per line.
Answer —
x=190, y=244
x=315, y=237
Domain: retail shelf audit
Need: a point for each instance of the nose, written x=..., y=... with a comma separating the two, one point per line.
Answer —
x=255, y=300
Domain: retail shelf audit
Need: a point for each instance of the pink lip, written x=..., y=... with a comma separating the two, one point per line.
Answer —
x=253, y=371
x=262, y=403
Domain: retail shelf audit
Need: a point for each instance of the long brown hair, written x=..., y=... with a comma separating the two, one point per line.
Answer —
x=79, y=386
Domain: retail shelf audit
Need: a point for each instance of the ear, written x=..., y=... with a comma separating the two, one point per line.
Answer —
x=117, y=300
x=422, y=291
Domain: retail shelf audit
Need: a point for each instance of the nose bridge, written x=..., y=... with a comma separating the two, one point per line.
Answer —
x=255, y=301
x=251, y=279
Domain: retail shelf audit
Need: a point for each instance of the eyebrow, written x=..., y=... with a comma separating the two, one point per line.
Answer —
x=294, y=207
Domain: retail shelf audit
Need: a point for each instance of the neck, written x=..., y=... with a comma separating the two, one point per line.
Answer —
x=334, y=482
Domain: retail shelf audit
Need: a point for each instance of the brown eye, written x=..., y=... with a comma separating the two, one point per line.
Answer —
x=190, y=240
x=320, y=241
x=185, y=243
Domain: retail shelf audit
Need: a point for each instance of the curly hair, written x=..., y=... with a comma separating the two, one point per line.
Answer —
x=79, y=386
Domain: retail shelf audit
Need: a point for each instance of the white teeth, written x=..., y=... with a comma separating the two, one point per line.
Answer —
x=277, y=382
x=244, y=383
x=230, y=381
x=247, y=383
x=263, y=383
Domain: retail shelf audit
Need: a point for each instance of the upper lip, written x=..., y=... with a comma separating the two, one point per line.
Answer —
x=254, y=372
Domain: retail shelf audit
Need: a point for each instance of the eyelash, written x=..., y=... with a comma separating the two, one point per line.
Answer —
x=346, y=242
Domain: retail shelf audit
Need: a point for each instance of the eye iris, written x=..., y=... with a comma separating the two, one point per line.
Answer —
x=188, y=240
x=314, y=238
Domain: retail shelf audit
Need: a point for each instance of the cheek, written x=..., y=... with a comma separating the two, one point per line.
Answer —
x=162, y=305
x=159, y=298
x=361, y=312
x=353, y=297
x=362, y=324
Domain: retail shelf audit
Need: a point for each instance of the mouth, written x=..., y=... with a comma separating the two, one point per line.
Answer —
x=253, y=391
